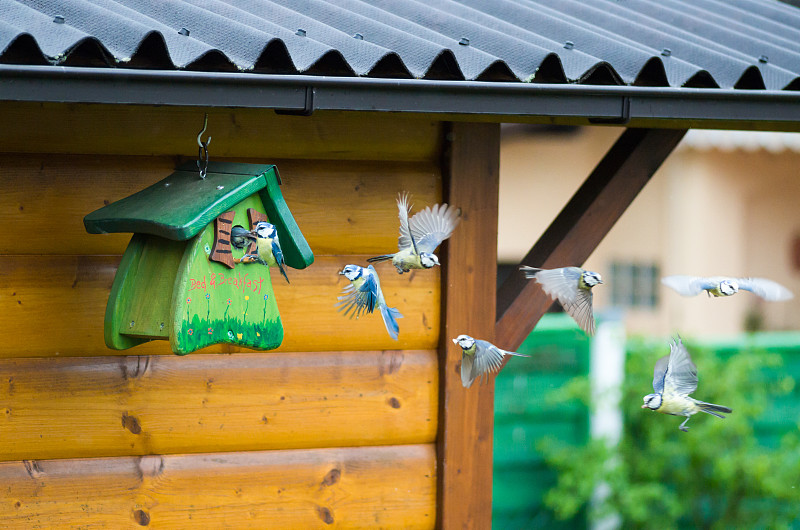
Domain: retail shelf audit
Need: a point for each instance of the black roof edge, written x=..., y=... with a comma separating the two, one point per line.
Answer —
x=478, y=100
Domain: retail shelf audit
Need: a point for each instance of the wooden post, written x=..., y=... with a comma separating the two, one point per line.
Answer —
x=582, y=224
x=466, y=416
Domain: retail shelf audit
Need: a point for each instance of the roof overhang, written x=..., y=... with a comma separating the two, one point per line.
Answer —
x=631, y=106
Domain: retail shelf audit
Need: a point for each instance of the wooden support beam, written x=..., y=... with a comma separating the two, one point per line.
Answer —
x=582, y=224
x=470, y=272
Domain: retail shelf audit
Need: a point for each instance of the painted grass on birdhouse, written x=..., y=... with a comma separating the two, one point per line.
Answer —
x=200, y=333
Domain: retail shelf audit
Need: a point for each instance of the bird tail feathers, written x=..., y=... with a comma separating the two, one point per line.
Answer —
x=283, y=272
x=377, y=259
x=714, y=410
x=390, y=316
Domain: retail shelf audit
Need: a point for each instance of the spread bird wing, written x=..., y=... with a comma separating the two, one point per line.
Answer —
x=689, y=285
x=362, y=299
x=659, y=373
x=581, y=311
x=488, y=357
x=562, y=284
x=403, y=207
x=681, y=376
x=433, y=225
x=766, y=289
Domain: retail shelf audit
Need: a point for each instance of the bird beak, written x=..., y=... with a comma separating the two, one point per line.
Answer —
x=341, y=272
x=455, y=341
x=644, y=406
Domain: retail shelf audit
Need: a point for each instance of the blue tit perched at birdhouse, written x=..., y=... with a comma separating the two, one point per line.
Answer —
x=268, y=246
x=726, y=286
x=479, y=358
x=421, y=235
x=572, y=287
x=674, y=378
x=363, y=294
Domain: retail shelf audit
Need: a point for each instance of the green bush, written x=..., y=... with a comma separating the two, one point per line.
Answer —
x=717, y=475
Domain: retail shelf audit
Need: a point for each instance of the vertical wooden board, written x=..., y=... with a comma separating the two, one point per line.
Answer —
x=367, y=487
x=222, y=250
x=123, y=406
x=66, y=297
x=466, y=414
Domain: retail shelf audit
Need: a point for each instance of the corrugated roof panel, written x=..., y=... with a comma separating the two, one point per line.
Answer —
x=731, y=43
x=729, y=36
x=647, y=26
x=521, y=55
x=416, y=45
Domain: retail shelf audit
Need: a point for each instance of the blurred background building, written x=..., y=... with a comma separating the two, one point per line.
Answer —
x=724, y=203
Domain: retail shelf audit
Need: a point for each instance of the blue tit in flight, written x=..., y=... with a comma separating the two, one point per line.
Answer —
x=268, y=247
x=674, y=378
x=421, y=235
x=363, y=293
x=572, y=287
x=479, y=358
x=727, y=286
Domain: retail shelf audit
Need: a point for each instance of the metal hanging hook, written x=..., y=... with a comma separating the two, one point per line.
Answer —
x=202, y=149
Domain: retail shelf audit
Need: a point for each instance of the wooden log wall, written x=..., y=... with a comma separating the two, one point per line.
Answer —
x=337, y=427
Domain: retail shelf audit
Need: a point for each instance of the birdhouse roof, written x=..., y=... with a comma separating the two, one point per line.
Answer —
x=182, y=204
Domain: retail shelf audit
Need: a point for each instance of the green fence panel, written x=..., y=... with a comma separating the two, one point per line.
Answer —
x=559, y=352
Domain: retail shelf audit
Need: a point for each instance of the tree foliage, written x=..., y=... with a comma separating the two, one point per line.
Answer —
x=720, y=474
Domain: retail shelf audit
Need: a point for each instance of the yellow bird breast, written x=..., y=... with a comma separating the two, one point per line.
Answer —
x=406, y=259
x=265, y=252
x=677, y=405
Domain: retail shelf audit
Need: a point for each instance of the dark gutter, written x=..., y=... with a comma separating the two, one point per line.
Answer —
x=482, y=101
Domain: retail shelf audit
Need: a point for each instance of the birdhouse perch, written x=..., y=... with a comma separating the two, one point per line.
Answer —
x=180, y=278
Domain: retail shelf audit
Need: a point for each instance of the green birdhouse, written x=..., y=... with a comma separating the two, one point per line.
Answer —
x=181, y=278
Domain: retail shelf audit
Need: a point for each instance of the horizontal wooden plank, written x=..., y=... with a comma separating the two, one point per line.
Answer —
x=366, y=487
x=351, y=207
x=341, y=207
x=117, y=406
x=55, y=306
x=146, y=130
